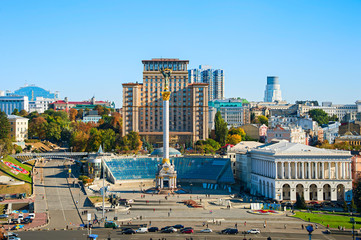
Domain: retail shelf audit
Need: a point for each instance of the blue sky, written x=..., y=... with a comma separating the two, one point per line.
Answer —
x=86, y=48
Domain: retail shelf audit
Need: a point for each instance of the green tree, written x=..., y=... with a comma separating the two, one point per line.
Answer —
x=79, y=141
x=353, y=205
x=95, y=140
x=37, y=128
x=319, y=116
x=108, y=139
x=263, y=120
x=147, y=145
x=357, y=195
x=221, y=129
x=4, y=126
x=300, y=202
x=23, y=113
x=53, y=132
x=345, y=206
x=15, y=112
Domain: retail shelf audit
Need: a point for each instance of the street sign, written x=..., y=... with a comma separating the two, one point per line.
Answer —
x=89, y=217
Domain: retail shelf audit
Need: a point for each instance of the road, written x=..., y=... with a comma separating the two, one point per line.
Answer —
x=115, y=235
x=60, y=204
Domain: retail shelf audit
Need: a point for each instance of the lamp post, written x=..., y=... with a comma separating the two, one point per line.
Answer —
x=352, y=220
x=309, y=229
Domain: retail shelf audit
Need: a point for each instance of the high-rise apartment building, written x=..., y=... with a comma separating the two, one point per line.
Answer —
x=188, y=105
x=214, y=78
x=273, y=90
x=9, y=103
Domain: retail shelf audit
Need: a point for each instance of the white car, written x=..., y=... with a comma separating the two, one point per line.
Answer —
x=207, y=230
x=21, y=216
x=254, y=231
x=31, y=215
x=141, y=230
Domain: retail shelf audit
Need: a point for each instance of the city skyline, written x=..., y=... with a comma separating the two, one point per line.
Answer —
x=85, y=49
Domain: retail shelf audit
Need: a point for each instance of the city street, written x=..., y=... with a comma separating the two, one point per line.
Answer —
x=115, y=234
x=60, y=204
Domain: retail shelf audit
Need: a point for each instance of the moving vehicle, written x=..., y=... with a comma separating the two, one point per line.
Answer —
x=169, y=230
x=14, y=238
x=128, y=231
x=4, y=215
x=142, y=230
x=165, y=228
x=26, y=220
x=230, y=231
x=21, y=216
x=187, y=231
x=15, y=220
x=178, y=226
x=11, y=234
x=254, y=231
x=31, y=215
x=110, y=224
x=207, y=230
x=153, y=229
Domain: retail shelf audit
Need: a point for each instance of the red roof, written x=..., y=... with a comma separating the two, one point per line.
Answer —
x=228, y=145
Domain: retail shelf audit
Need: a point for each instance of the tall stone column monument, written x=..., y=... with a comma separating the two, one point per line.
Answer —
x=166, y=178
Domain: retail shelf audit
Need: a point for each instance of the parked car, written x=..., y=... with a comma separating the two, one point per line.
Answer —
x=142, y=230
x=110, y=224
x=2, y=199
x=254, y=231
x=207, y=230
x=153, y=229
x=31, y=215
x=15, y=220
x=178, y=226
x=4, y=215
x=128, y=231
x=27, y=220
x=21, y=216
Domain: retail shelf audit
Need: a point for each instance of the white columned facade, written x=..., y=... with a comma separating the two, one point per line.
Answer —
x=329, y=170
x=309, y=170
x=303, y=170
x=289, y=170
x=336, y=168
x=316, y=170
x=282, y=169
x=296, y=172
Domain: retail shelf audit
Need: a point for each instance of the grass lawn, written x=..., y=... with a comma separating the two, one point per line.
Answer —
x=13, y=189
x=333, y=220
x=19, y=176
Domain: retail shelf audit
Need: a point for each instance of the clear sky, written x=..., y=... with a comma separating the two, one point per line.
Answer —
x=85, y=48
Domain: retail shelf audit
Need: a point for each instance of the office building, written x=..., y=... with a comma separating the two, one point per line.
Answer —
x=142, y=104
x=273, y=90
x=18, y=128
x=214, y=78
x=9, y=103
x=234, y=111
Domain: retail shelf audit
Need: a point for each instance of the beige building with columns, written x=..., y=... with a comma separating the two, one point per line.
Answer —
x=188, y=105
x=284, y=170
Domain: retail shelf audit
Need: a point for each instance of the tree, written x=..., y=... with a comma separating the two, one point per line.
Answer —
x=37, y=128
x=4, y=126
x=319, y=116
x=23, y=113
x=80, y=114
x=221, y=129
x=108, y=139
x=357, y=195
x=147, y=145
x=300, y=202
x=132, y=141
x=353, y=205
x=237, y=131
x=234, y=139
x=95, y=140
x=345, y=206
x=263, y=120
x=53, y=131
x=79, y=141
x=72, y=114
x=15, y=112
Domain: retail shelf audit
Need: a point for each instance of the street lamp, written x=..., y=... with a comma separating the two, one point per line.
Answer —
x=309, y=229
